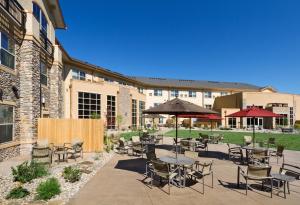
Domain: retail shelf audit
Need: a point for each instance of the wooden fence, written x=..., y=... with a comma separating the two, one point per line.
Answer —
x=59, y=131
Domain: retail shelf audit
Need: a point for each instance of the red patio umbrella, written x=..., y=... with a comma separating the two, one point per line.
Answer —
x=253, y=112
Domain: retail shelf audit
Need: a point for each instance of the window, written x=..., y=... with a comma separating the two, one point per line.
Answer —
x=40, y=17
x=207, y=94
x=6, y=123
x=157, y=92
x=161, y=120
x=224, y=93
x=134, y=114
x=89, y=105
x=208, y=107
x=141, y=109
x=43, y=74
x=7, y=51
x=111, y=112
x=141, y=90
x=291, y=116
x=192, y=94
x=282, y=120
x=174, y=93
x=256, y=122
x=232, y=122
x=78, y=74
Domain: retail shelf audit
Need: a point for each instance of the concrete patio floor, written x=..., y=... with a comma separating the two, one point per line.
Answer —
x=120, y=182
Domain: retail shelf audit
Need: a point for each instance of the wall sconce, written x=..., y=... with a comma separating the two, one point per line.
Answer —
x=16, y=91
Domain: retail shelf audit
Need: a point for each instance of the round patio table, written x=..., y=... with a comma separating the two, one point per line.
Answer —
x=250, y=148
x=180, y=161
x=285, y=179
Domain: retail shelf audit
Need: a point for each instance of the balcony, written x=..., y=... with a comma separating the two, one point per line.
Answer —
x=15, y=10
x=46, y=44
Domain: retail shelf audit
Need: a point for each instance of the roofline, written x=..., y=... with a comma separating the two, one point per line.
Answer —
x=73, y=61
x=62, y=16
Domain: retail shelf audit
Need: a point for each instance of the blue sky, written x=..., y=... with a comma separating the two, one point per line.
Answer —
x=253, y=41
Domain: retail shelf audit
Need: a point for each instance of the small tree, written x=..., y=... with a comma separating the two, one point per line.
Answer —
x=95, y=116
x=119, y=121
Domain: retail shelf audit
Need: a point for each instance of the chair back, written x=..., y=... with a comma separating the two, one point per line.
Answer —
x=258, y=171
x=135, y=139
x=121, y=143
x=207, y=168
x=247, y=140
x=42, y=143
x=205, y=137
x=77, y=146
x=271, y=141
x=191, y=154
x=161, y=168
x=184, y=143
x=150, y=152
x=280, y=149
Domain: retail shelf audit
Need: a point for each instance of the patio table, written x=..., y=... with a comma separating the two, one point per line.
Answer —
x=60, y=150
x=285, y=179
x=250, y=148
x=180, y=161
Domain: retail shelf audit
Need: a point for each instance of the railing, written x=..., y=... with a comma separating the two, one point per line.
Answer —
x=15, y=10
x=46, y=44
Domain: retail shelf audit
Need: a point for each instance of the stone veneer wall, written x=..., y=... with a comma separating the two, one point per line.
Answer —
x=56, y=92
x=9, y=152
x=124, y=107
x=29, y=94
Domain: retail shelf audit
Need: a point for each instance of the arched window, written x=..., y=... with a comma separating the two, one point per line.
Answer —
x=40, y=17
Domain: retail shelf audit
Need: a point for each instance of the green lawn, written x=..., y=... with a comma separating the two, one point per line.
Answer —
x=290, y=141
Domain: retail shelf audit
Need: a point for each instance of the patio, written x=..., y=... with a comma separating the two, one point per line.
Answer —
x=120, y=182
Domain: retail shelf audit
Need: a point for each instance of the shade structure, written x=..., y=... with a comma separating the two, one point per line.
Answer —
x=254, y=112
x=177, y=107
x=204, y=117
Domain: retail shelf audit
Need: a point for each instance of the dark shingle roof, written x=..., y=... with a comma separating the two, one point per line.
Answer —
x=196, y=84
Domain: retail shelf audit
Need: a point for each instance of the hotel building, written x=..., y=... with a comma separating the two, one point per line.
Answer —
x=38, y=78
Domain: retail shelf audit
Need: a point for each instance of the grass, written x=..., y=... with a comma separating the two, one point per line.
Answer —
x=127, y=135
x=290, y=141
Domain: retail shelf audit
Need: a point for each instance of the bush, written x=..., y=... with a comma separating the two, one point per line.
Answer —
x=17, y=193
x=48, y=189
x=170, y=122
x=26, y=171
x=71, y=174
x=186, y=123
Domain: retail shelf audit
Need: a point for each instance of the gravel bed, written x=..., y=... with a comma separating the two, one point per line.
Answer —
x=67, y=189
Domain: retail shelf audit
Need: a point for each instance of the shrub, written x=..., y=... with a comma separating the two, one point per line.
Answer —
x=186, y=123
x=26, y=171
x=48, y=189
x=71, y=174
x=170, y=122
x=17, y=193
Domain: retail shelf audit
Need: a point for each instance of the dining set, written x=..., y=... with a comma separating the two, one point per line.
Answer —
x=45, y=152
x=176, y=168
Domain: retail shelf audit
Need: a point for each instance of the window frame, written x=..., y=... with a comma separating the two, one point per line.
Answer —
x=111, y=114
x=174, y=93
x=10, y=53
x=78, y=75
x=41, y=16
x=208, y=94
x=134, y=113
x=83, y=102
x=142, y=107
x=192, y=94
x=43, y=75
x=157, y=92
x=12, y=124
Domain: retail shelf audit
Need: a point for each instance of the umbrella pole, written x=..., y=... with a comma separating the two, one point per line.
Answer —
x=253, y=131
x=190, y=125
x=176, y=134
